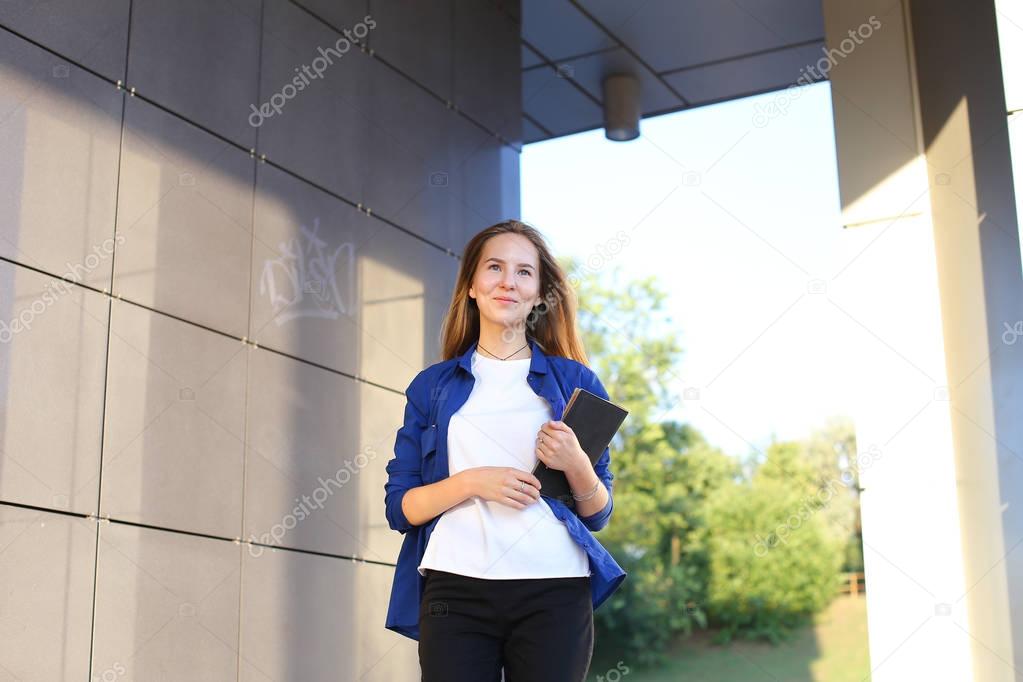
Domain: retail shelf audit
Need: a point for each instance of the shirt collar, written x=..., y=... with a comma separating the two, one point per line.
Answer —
x=537, y=364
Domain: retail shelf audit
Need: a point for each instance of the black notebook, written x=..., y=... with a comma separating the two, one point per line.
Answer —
x=595, y=422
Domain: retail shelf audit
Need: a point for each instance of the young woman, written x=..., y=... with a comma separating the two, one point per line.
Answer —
x=493, y=574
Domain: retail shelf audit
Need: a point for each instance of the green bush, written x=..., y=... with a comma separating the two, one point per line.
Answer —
x=774, y=561
x=634, y=621
x=663, y=595
x=652, y=606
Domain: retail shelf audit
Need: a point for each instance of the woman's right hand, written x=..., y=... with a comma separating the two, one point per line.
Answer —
x=501, y=484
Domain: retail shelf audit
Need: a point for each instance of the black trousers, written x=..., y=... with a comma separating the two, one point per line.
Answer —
x=538, y=629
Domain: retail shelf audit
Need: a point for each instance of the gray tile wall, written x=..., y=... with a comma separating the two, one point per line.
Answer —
x=196, y=420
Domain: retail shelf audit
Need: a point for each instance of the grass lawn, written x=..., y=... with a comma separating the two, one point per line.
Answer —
x=833, y=650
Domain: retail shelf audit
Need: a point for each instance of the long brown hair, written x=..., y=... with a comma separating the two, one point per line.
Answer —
x=552, y=323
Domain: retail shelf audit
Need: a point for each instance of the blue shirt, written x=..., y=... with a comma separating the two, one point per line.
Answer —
x=421, y=458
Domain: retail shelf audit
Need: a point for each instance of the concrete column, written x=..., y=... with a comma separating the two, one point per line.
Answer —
x=966, y=139
x=923, y=156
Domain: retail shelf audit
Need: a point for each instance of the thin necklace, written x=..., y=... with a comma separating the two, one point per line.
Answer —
x=504, y=358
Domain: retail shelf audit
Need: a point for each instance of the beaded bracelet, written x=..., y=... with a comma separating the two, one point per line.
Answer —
x=588, y=495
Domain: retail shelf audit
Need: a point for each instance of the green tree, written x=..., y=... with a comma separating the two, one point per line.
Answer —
x=664, y=470
x=686, y=513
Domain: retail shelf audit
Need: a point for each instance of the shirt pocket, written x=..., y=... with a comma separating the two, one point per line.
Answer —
x=428, y=446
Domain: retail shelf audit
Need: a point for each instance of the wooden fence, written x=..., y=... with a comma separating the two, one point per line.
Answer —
x=852, y=584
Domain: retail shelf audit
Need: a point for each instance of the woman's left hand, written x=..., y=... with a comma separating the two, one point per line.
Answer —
x=558, y=448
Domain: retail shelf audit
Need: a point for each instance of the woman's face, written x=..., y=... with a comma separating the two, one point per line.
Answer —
x=506, y=284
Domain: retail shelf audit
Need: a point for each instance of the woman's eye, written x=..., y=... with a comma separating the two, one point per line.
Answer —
x=495, y=265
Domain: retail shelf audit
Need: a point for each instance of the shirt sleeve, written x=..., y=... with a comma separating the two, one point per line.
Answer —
x=598, y=520
x=404, y=469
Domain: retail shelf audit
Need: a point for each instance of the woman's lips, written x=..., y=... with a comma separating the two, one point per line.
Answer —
x=504, y=300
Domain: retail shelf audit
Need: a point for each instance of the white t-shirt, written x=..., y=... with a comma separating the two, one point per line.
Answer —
x=497, y=426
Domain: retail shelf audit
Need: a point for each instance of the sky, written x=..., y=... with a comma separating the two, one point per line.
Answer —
x=740, y=222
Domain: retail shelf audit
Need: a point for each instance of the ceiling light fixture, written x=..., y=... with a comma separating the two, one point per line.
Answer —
x=621, y=107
